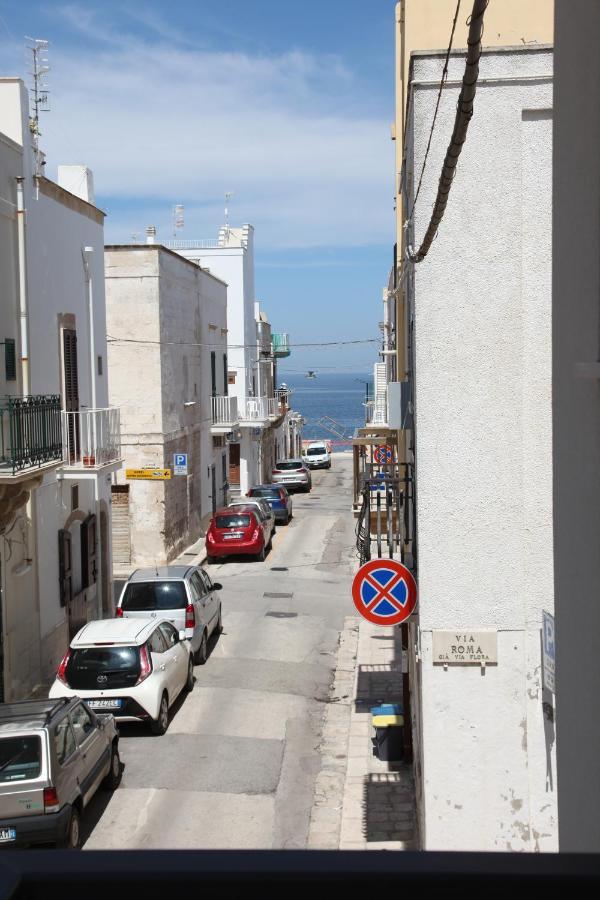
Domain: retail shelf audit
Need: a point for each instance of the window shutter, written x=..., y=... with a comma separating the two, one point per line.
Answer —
x=213, y=372
x=10, y=360
x=89, y=572
x=64, y=567
x=225, y=378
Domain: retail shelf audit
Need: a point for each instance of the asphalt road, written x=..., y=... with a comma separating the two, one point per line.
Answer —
x=237, y=766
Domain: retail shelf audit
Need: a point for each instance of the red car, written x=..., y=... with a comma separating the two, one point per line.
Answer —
x=238, y=530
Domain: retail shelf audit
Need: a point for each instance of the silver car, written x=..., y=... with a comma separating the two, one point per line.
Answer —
x=54, y=755
x=263, y=508
x=184, y=595
x=292, y=473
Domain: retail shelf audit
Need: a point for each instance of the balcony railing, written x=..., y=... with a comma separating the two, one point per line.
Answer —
x=91, y=437
x=225, y=411
x=282, y=396
x=281, y=344
x=30, y=434
x=376, y=412
x=258, y=409
x=209, y=244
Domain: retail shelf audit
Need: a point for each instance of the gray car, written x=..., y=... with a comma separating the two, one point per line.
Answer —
x=184, y=595
x=54, y=755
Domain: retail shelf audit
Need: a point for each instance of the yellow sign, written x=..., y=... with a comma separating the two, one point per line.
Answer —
x=148, y=474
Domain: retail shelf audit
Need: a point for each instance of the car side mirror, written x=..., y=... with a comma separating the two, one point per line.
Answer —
x=181, y=636
x=217, y=586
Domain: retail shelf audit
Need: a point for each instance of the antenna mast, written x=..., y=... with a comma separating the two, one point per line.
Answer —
x=39, y=100
x=178, y=221
x=228, y=196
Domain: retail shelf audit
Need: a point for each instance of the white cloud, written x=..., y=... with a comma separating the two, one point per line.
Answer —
x=160, y=121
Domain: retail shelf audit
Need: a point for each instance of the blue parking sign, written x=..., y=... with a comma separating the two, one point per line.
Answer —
x=180, y=464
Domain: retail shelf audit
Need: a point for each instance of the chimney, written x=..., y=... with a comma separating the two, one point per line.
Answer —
x=150, y=234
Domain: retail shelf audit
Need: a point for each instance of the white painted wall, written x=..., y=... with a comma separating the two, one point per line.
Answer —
x=482, y=311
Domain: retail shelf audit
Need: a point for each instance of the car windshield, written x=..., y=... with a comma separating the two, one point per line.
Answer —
x=20, y=758
x=233, y=521
x=316, y=451
x=269, y=493
x=154, y=595
x=95, y=668
x=289, y=464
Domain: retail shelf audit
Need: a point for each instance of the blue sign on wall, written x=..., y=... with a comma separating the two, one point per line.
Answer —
x=180, y=464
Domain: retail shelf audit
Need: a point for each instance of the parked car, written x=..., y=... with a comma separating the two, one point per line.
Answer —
x=133, y=668
x=317, y=456
x=278, y=499
x=238, y=529
x=262, y=507
x=54, y=755
x=185, y=595
x=292, y=473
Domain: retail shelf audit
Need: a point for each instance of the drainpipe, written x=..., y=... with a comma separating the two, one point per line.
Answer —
x=23, y=308
x=86, y=251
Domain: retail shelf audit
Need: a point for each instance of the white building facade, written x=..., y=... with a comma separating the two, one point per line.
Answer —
x=60, y=440
x=480, y=320
x=167, y=350
x=255, y=429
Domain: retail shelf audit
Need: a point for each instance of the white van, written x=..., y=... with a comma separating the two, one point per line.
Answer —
x=317, y=456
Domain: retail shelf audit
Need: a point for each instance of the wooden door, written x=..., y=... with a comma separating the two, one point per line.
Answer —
x=234, y=464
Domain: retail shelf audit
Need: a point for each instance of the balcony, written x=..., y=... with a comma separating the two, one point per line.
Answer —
x=281, y=344
x=30, y=436
x=282, y=396
x=91, y=441
x=258, y=410
x=376, y=412
x=224, y=415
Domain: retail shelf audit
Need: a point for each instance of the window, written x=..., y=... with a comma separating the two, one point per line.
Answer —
x=169, y=634
x=20, y=758
x=64, y=741
x=213, y=372
x=152, y=595
x=206, y=579
x=74, y=497
x=198, y=585
x=10, y=360
x=89, y=573
x=82, y=723
x=231, y=377
x=103, y=668
x=288, y=466
x=225, y=379
x=156, y=642
x=233, y=521
x=99, y=365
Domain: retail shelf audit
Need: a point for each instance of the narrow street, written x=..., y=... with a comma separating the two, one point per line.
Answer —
x=238, y=764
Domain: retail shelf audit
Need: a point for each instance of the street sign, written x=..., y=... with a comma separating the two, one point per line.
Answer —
x=548, y=652
x=384, y=592
x=180, y=464
x=148, y=474
x=383, y=454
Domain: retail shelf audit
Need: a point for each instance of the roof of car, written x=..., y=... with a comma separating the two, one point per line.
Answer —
x=115, y=631
x=293, y=459
x=154, y=573
x=237, y=509
x=30, y=713
x=262, y=487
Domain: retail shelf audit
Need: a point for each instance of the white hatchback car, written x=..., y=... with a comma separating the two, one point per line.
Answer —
x=317, y=456
x=132, y=668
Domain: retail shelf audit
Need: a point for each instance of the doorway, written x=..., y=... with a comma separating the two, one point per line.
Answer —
x=234, y=464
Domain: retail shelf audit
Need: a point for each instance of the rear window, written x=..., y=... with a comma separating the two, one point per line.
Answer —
x=232, y=521
x=266, y=492
x=286, y=466
x=98, y=668
x=20, y=758
x=154, y=595
x=316, y=451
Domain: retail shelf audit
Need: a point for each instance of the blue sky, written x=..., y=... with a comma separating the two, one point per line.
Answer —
x=287, y=105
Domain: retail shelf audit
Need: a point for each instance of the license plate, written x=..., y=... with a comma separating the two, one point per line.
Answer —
x=104, y=704
x=8, y=834
x=228, y=537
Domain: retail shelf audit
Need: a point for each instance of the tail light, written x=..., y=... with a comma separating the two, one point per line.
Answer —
x=61, y=673
x=51, y=802
x=255, y=534
x=118, y=612
x=190, y=617
x=274, y=471
x=282, y=495
x=145, y=664
x=210, y=537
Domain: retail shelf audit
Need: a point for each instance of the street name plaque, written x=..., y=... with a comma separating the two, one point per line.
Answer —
x=465, y=648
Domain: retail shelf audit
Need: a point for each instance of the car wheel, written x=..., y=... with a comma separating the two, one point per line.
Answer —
x=72, y=839
x=219, y=625
x=160, y=725
x=211, y=560
x=189, y=682
x=113, y=779
x=201, y=653
x=262, y=555
x=286, y=521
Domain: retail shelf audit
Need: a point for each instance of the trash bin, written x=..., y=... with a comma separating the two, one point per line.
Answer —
x=388, y=742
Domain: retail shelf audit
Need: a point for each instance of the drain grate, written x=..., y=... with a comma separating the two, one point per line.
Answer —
x=281, y=615
x=276, y=596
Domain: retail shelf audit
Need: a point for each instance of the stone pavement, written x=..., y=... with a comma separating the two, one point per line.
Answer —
x=361, y=802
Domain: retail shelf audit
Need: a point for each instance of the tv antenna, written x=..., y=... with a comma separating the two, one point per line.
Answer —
x=178, y=221
x=228, y=196
x=39, y=100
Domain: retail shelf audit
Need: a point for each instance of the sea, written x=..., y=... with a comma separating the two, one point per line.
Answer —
x=332, y=404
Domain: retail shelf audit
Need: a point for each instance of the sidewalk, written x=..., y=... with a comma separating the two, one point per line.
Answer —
x=362, y=803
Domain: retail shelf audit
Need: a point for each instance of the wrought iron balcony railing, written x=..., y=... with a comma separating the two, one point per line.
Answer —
x=91, y=437
x=30, y=434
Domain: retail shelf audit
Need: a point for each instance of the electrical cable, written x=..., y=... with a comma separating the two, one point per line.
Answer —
x=223, y=345
x=464, y=114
